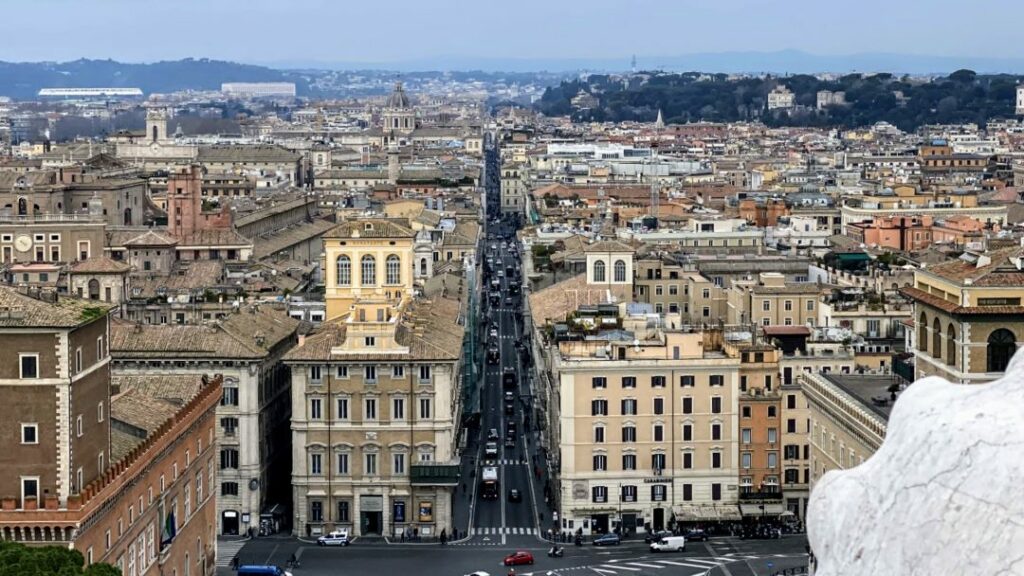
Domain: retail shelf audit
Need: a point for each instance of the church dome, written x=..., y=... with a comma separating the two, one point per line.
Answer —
x=398, y=98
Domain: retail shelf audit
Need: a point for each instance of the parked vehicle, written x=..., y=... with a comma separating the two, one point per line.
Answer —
x=492, y=434
x=610, y=539
x=517, y=558
x=515, y=495
x=262, y=570
x=491, y=449
x=669, y=544
x=335, y=538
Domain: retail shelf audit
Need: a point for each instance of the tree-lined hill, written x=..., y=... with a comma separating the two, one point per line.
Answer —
x=963, y=96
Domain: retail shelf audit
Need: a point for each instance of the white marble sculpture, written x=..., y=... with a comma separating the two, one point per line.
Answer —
x=943, y=496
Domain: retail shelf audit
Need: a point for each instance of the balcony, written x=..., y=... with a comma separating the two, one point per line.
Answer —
x=434, y=474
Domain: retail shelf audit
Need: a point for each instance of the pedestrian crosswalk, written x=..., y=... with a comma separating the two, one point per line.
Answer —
x=499, y=530
x=226, y=550
x=508, y=462
x=676, y=564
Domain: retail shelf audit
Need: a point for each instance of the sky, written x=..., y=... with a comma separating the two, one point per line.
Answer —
x=393, y=31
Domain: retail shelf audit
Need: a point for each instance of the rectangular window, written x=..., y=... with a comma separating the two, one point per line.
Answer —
x=687, y=381
x=629, y=381
x=315, y=408
x=687, y=492
x=629, y=433
x=716, y=404
x=658, y=492
x=629, y=493
x=773, y=460
x=370, y=374
x=599, y=434
x=370, y=465
x=598, y=407
x=766, y=305
x=716, y=380
x=745, y=411
x=343, y=512
x=599, y=494
x=398, y=464
x=716, y=491
x=791, y=426
x=229, y=489
x=398, y=371
x=424, y=408
x=100, y=415
x=316, y=464
x=716, y=431
x=600, y=462
x=342, y=409
x=773, y=435
x=687, y=405
x=687, y=460
x=316, y=511
x=314, y=373
x=810, y=305
x=657, y=381
x=628, y=407
x=424, y=373
x=659, y=405
x=687, y=432
x=629, y=461
x=659, y=433
x=791, y=401
x=745, y=435
x=229, y=396
x=398, y=408
x=772, y=412
x=370, y=409
x=788, y=305
x=228, y=460
x=341, y=372
x=342, y=468
x=745, y=460
x=29, y=434
x=599, y=382
x=29, y=366
x=716, y=460
x=78, y=426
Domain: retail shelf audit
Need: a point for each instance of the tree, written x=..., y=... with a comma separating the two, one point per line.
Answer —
x=20, y=560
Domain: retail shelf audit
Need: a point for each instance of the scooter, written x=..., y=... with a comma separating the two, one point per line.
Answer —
x=555, y=552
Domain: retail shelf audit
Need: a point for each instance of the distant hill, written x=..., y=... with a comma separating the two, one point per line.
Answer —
x=23, y=80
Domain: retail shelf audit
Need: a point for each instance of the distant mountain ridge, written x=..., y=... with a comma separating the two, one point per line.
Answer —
x=23, y=80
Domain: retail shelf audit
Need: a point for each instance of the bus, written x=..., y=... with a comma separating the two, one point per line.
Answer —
x=489, y=489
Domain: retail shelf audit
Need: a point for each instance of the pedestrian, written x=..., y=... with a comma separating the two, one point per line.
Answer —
x=444, y=537
x=416, y=534
x=402, y=536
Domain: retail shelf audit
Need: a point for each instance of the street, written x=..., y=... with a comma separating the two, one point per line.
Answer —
x=719, y=556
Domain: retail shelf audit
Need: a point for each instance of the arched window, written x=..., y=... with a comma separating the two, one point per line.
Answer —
x=599, y=271
x=1001, y=346
x=156, y=133
x=393, y=269
x=951, y=346
x=423, y=266
x=94, y=289
x=368, y=276
x=937, y=339
x=922, y=333
x=344, y=271
x=22, y=207
x=620, y=271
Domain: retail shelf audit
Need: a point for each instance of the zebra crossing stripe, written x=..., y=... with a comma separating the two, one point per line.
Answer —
x=621, y=567
x=642, y=565
x=714, y=562
x=674, y=563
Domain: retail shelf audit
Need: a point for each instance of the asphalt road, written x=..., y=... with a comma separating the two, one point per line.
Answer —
x=718, y=557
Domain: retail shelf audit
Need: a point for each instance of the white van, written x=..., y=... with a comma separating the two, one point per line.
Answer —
x=669, y=544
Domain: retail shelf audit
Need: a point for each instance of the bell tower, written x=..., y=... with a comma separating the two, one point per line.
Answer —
x=156, y=125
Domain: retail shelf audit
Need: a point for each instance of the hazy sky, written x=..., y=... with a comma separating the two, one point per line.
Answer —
x=268, y=31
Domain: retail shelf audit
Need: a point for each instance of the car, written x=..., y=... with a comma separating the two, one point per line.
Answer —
x=510, y=443
x=501, y=273
x=669, y=544
x=493, y=333
x=492, y=434
x=491, y=449
x=609, y=539
x=509, y=408
x=511, y=430
x=517, y=558
x=696, y=535
x=509, y=396
x=335, y=538
x=656, y=535
x=478, y=573
x=515, y=495
x=508, y=300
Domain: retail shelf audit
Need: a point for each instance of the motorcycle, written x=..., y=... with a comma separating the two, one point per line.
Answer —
x=555, y=552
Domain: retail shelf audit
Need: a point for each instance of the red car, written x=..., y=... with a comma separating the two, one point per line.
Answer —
x=517, y=558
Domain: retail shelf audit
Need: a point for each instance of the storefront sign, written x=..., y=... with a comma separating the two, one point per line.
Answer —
x=371, y=503
x=658, y=480
x=245, y=517
x=579, y=491
x=399, y=511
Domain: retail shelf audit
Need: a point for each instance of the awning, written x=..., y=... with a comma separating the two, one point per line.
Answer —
x=755, y=509
x=707, y=513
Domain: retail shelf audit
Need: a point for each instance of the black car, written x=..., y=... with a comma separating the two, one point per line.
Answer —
x=696, y=535
x=656, y=535
x=509, y=408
